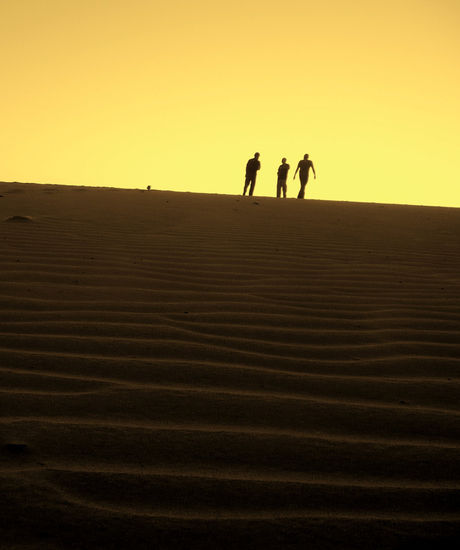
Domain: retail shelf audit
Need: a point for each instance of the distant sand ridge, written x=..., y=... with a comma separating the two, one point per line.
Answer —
x=202, y=371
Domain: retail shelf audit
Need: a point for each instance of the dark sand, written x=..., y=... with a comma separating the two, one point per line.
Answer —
x=183, y=371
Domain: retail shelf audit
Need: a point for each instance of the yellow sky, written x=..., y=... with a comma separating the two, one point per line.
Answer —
x=179, y=94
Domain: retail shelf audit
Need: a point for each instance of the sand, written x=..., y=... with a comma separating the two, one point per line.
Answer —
x=202, y=371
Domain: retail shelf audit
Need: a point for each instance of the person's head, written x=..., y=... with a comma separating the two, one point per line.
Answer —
x=256, y=155
x=283, y=160
x=305, y=157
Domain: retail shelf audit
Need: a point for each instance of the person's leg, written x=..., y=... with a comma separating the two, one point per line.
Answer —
x=284, y=189
x=246, y=183
x=278, y=189
x=253, y=184
x=301, y=194
x=303, y=183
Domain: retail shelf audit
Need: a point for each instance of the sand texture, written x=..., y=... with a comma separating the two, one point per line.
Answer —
x=187, y=371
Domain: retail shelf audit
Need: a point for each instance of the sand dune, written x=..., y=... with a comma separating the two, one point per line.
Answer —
x=204, y=371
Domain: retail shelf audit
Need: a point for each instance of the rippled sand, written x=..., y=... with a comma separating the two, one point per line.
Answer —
x=201, y=371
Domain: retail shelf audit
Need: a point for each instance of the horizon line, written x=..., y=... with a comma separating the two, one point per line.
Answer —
x=230, y=194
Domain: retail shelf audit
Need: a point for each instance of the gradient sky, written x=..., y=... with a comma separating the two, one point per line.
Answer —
x=179, y=94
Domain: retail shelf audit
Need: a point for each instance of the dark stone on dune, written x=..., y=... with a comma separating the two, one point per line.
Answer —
x=18, y=219
x=16, y=448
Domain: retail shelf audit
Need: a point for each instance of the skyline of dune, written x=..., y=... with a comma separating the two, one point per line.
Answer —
x=179, y=95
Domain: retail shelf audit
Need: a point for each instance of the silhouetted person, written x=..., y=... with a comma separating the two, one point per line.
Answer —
x=304, y=167
x=282, y=177
x=251, y=172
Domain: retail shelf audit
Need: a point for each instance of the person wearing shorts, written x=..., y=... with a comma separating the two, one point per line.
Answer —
x=281, y=185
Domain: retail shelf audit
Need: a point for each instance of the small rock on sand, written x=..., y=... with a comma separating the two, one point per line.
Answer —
x=16, y=448
x=18, y=219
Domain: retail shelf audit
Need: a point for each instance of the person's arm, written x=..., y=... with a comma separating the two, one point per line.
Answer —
x=296, y=170
x=313, y=168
